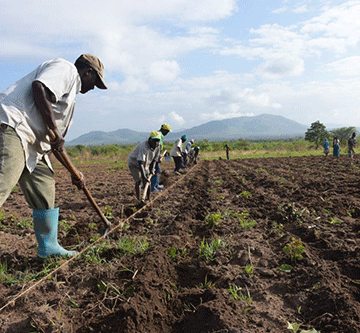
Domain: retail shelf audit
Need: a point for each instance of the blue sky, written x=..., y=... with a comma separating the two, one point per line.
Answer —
x=187, y=62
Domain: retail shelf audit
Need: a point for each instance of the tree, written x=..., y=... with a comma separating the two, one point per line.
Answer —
x=242, y=144
x=343, y=133
x=317, y=133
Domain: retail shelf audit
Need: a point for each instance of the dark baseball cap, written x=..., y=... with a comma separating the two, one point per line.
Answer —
x=96, y=64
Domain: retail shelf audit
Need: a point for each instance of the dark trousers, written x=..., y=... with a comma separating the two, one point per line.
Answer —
x=185, y=160
x=178, y=162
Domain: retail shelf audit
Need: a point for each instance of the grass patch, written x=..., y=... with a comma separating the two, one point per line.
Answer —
x=10, y=278
x=128, y=245
x=213, y=220
x=24, y=224
x=246, y=222
x=207, y=250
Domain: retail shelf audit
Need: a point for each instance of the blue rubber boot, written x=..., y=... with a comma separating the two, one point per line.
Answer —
x=46, y=227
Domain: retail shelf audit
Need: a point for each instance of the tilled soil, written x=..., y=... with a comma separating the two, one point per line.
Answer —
x=247, y=210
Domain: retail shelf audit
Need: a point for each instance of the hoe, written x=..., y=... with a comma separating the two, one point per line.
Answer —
x=65, y=159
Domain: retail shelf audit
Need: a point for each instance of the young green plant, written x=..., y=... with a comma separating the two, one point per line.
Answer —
x=294, y=249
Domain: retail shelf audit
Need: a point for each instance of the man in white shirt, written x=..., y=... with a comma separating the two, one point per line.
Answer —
x=176, y=153
x=41, y=101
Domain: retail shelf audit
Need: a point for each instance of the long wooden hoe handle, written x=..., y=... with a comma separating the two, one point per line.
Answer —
x=63, y=157
x=143, y=197
x=146, y=186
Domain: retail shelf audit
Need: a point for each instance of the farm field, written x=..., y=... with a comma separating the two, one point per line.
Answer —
x=240, y=246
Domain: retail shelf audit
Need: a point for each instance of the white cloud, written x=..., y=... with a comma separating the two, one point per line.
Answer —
x=322, y=44
x=281, y=48
x=23, y=48
x=233, y=99
x=278, y=68
x=339, y=22
x=174, y=117
x=203, y=30
x=164, y=71
x=284, y=49
x=213, y=84
x=126, y=35
x=132, y=85
x=277, y=36
x=257, y=99
x=300, y=9
x=349, y=66
x=111, y=12
x=220, y=116
x=203, y=10
x=280, y=10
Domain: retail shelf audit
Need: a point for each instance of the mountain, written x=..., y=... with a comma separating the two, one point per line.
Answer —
x=120, y=136
x=264, y=126
x=258, y=127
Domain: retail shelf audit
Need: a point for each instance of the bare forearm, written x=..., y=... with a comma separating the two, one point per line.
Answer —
x=42, y=99
x=42, y=102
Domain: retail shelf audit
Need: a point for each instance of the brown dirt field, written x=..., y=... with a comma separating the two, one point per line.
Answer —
x=169, y=287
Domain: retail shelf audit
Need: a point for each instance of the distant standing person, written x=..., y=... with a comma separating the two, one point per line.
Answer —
x=351, y=145
x=176, y=153
x=336, y=146
x=326, y=147
x=227, y=148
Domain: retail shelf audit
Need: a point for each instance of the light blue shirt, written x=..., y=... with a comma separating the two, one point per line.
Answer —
x=326, y=145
